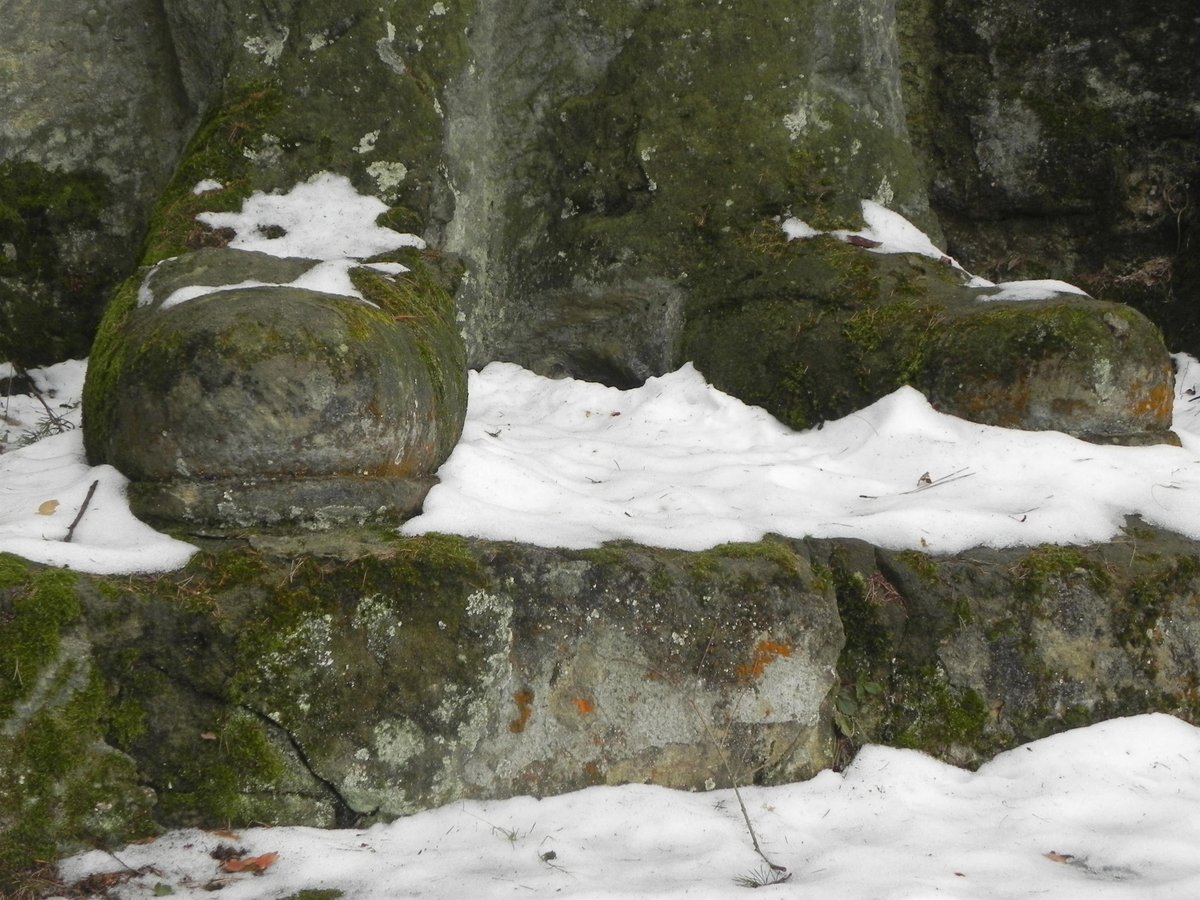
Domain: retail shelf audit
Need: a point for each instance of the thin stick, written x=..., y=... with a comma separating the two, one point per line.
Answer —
x=82, y=509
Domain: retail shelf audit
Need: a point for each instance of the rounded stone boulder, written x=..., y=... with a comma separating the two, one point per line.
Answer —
x=267, y=403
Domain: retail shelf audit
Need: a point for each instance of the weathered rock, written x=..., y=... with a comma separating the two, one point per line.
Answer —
x=95, y=116
x=845, y=326
x=1062, y=142
x=579, y=195
x=63, y=785
x=979, y=652
x=399, y=675
x=339, y=677
x=275, y=403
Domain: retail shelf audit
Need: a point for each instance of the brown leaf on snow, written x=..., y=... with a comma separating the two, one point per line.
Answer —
x=226, y=833
x=47, y=508
x=1055, y=856
x=255, y=864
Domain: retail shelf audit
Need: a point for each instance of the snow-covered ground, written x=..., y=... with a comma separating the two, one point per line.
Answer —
x=1108, y=811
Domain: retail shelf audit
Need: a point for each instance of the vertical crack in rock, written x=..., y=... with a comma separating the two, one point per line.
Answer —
x=345, y=815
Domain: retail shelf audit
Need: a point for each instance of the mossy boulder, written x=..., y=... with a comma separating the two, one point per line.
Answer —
x=63, y=786
x=982, y=651
x=1061, y=142
x=90, y=136
x=340, y=677
x=274, y=403
x=843, y=326
x=349, y=676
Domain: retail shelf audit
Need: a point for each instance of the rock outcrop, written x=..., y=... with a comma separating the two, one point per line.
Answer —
x=345, y=677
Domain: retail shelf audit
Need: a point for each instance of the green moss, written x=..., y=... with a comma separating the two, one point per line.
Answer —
x=61, y=791
x=105, y=365
x=1050, y=565
x=707, y=562
x=218, y=150
x=868, y=641
x=48, y=223
x=33, y=617
x=226, y=775
x=325, y=894
x=936, y=717
x=921, y=563
x=1150, y=595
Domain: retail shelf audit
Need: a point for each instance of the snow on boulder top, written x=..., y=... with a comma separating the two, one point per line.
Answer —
x=889, y=232
x=322, y=218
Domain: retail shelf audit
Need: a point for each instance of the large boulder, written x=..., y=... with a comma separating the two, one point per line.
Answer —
x=64, y=785
x=343, y=677
x=847, y=325
x=271, y=402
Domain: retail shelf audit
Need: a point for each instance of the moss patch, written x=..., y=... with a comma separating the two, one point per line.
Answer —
x=53, y=282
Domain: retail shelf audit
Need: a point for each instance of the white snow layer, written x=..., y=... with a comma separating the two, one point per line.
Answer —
x=677, y=463
x=890, y=232
x=1106, y=812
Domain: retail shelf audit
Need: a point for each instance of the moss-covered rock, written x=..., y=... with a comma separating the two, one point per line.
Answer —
x=595, y=214
x=57, y=262
x=979, y=652
x=845, y=326
x=63, y=788
x=275, y=403
x=347, y=676
x=335, y=678
x=1061, y=142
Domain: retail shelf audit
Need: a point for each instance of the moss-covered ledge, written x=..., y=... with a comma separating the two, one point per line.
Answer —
x=350, y=676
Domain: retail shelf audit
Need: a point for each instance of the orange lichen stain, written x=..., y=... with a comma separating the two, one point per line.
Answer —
x=1158, y=403
x=764, y=654
x=585, y=707
x=524, y=701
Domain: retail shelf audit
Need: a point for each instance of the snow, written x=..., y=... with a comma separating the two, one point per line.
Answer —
x=677, y=463
x=322, y=218
x=889, y=232
x=43, y=486
x=1109, y=811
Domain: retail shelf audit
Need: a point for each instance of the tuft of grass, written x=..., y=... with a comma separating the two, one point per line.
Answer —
x=763, y=876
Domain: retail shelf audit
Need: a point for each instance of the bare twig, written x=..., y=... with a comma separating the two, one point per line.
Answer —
x=82, y=509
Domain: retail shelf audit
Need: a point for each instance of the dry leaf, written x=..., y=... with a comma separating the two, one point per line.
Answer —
x=207, y=736
x=1055, y=856
x=47, y=508
x=255, y=864
x=232, y=835
x=924, y=480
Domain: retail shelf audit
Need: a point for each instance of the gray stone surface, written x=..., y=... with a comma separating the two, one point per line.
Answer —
x=275, y=404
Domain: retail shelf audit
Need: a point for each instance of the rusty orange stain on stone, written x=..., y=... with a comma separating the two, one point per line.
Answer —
x=1158, y=403
x=764, y=654
x=585, y=707
x=524, y=701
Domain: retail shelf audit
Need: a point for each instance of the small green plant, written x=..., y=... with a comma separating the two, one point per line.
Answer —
x=849, y=702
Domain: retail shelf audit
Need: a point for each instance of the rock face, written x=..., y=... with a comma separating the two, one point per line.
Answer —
x=1061, y=143
x=603, y=226
x=275, y=403
x=342, y=677
x=95, y=116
